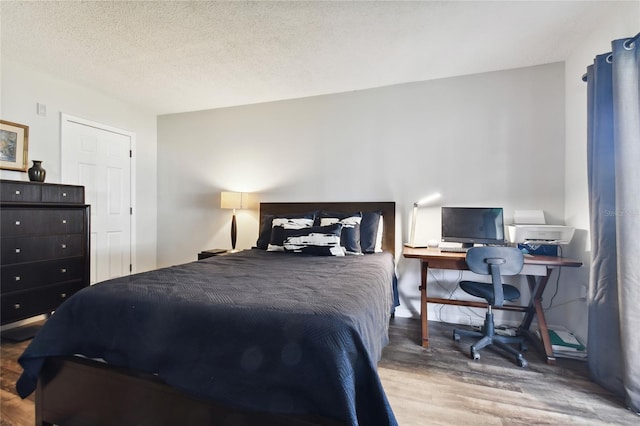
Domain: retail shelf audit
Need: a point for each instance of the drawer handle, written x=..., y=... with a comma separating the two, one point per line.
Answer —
x=17, y=223
x=64, y=246
x=16, y=306
x=17, y=278
x=17, y=192
x=63, y=295
x=17, y=250
x=63, y=270
x=64, y=194
x=64, y=220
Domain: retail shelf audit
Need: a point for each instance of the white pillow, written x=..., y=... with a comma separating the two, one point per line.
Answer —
x=378, y=246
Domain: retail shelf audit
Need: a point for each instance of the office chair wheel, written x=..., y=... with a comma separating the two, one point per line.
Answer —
x=522, y=362
x=456, y=337
x=475, y=355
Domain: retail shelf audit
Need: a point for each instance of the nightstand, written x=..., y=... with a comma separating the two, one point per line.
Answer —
x=211, y=252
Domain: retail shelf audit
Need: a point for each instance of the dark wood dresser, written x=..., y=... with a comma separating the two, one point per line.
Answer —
x=44, y=239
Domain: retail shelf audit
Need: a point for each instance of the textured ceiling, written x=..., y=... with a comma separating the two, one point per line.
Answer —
x=191, y=55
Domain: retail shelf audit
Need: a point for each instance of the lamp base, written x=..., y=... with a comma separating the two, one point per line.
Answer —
x=429, y=244
x=234, y=231
x=415, y=245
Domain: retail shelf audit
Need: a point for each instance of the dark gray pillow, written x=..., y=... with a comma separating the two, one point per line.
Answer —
x=265, y=232
x=369, y=231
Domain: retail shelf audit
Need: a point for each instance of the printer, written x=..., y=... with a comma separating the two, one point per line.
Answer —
x=530, y=228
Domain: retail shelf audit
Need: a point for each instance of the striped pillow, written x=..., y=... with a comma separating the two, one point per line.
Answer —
x=279, y=224
x=350, y=238
x=315, y=240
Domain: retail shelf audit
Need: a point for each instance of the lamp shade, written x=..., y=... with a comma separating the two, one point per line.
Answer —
x=233, y=200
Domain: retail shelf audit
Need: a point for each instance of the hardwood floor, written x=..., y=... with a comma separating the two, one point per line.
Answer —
x=13, y=410
x=438, y=386
x=442, y=385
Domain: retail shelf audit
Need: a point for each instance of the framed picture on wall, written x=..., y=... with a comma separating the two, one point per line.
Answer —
x=14, y=144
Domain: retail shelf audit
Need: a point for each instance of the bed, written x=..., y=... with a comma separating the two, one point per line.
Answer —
x=256, y=337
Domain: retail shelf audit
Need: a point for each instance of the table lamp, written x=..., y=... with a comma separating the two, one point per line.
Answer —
x=426, y=200
x=234, y=200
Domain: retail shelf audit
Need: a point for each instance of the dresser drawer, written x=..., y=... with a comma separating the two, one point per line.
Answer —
x=35, y=192
x=20, y=192
x=62, y=194
x=31, y=249
x=26, y=276
x=25, y=304
x=23, y=222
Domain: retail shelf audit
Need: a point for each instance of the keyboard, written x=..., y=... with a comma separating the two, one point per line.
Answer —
x=454, y=249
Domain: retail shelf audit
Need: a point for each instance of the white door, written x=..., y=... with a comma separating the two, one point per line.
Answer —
x=99, y=158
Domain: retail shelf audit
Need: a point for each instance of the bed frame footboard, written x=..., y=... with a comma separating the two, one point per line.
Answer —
x=76, y=391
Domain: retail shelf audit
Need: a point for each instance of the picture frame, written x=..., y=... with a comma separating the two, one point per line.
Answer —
x=14, y=146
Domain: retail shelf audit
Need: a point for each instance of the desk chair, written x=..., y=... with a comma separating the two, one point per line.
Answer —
x=497, y=262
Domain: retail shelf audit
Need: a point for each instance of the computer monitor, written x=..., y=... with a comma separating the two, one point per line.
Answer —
x=473, y=225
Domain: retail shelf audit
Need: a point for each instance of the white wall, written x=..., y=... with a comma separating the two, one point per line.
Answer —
x=502, y=132
x=623, y=22
x=22, y=88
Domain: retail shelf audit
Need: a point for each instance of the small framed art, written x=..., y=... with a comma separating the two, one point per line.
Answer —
x=14, y=144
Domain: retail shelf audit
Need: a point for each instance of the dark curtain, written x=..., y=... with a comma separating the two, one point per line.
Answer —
x=614, y=204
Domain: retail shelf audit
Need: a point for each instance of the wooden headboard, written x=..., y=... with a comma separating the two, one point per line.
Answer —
x=388, y=209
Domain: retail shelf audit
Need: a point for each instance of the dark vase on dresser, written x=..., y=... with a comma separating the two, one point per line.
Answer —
x=36, y=172
x=44, y=242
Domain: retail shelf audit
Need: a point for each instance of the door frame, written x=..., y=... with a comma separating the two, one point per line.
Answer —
x=65, y=119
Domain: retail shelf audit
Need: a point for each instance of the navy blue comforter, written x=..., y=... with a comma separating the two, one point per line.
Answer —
x=256, y=330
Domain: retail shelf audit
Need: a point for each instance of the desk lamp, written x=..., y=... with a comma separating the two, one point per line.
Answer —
x=233, y=200
x=412, y=233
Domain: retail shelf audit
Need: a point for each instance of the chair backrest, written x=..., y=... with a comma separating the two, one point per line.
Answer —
x=495, y=261
x=508, y=259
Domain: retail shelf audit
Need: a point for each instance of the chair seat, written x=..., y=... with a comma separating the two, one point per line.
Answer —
x=485, y=290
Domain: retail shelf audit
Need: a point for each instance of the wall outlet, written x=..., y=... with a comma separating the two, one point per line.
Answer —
x=583, y=292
